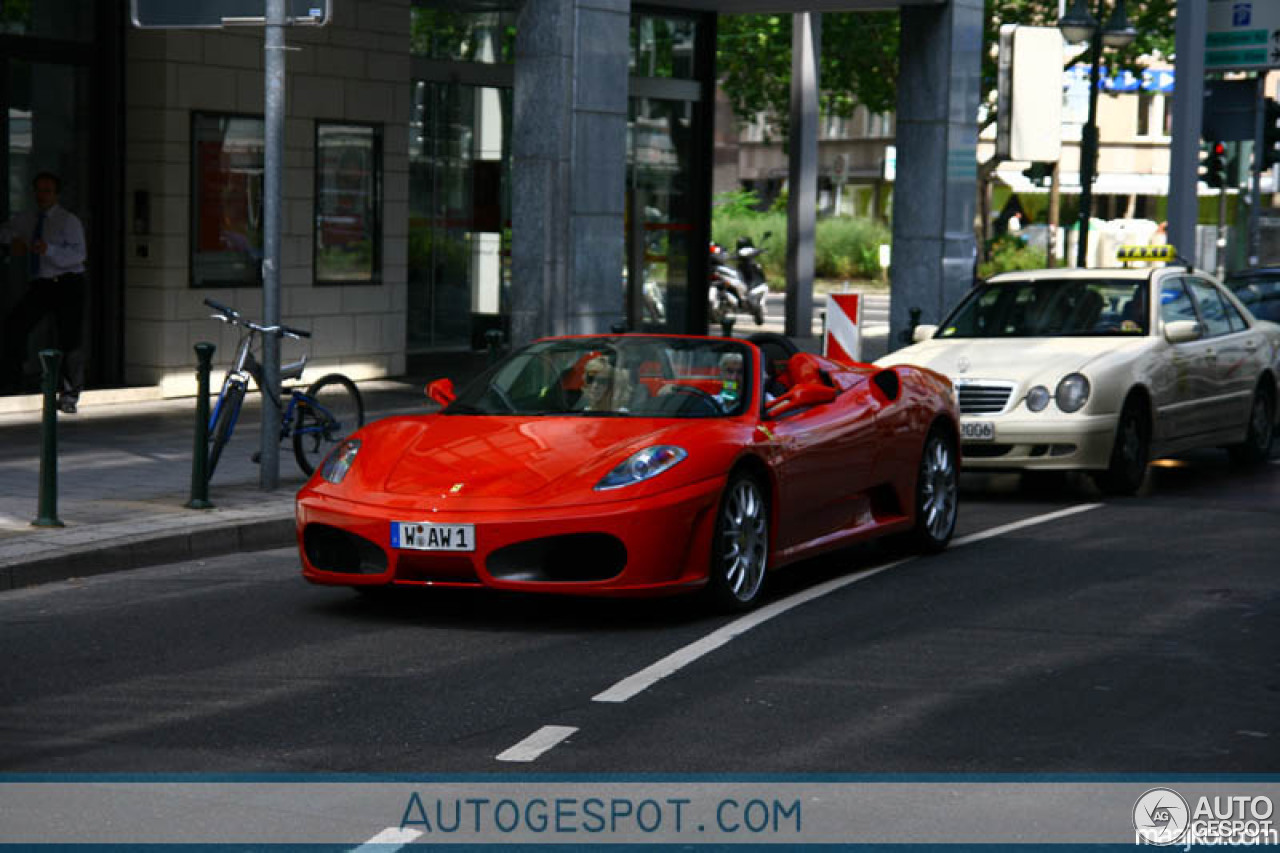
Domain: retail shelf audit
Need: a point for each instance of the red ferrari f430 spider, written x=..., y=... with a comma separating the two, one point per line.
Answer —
x=637, y=465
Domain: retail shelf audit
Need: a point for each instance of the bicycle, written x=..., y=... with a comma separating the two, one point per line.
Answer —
x=316, y=419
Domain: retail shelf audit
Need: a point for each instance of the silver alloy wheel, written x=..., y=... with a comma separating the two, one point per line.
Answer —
x=744, y=540
x=939, y=485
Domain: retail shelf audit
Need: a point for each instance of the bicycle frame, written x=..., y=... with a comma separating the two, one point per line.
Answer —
x=246, y=367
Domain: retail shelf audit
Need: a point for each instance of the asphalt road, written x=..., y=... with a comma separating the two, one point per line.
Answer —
x=1138, y=635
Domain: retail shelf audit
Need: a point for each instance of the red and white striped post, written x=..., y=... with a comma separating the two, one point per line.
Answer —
x=842, y=340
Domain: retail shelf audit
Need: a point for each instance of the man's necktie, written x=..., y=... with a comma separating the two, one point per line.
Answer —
x=34, y=259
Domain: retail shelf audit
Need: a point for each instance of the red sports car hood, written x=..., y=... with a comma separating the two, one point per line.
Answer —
x=540, y=460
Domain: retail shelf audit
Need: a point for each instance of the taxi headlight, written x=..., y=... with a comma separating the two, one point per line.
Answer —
x=1072, y=393
x=643, y=465
x=1038, y=398
x=339, y=462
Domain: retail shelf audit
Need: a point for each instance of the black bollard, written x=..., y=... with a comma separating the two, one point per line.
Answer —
x=200, y=455
x=493, y=338
x=726, y=325
x=51, y=362
x=910, y=331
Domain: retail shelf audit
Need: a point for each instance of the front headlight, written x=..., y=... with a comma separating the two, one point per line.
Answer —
x=339, y=462
x=1038, y=398
x=642, y=466
x=1072, y=393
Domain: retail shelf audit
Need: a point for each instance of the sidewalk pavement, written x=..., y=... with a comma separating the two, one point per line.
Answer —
x=124, y=478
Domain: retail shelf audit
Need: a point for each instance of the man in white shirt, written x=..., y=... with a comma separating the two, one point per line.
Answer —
x=51, y=241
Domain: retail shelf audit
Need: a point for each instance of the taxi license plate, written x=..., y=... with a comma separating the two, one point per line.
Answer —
x=977, y=431
x=428, y=536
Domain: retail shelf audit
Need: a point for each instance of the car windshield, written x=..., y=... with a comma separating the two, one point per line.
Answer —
x=619, y=376
x=1058, y=307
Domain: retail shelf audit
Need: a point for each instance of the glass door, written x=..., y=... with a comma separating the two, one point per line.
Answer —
x=46, y=128
x=459, y=214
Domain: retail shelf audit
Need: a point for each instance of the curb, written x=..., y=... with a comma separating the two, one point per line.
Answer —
x=141, y=551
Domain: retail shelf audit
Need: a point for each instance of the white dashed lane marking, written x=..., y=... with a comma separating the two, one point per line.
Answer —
x=537, y=743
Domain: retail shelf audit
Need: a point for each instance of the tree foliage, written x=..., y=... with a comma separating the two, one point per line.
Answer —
x=859, y=59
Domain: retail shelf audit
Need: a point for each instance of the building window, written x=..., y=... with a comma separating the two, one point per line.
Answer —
x=1150, y=114
x=663, y=47
x=462, y=35
x=348, y=235
x=227, y=164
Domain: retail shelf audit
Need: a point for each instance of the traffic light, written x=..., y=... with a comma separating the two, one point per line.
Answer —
x=1039, y=173
x=1270, y=134
x=1213, y=165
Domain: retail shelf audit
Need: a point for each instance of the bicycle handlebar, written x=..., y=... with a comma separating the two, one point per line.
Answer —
x=231, y=315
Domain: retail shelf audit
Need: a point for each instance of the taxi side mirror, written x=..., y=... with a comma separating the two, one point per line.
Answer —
x=923, y=333
x=801, y=396
x=1182, y=331
x=441, y=390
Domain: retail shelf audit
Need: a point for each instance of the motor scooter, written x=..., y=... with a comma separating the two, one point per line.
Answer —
x=751, y=273
x=728, y=293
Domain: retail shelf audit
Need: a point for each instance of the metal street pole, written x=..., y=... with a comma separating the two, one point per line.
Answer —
x=1089, y=149
x=269, y=474
x=1255, y=174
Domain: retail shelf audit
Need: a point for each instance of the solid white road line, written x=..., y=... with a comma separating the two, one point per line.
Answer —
x=383, y=840
x=1026, y=522
x=680, y=658
x=537, y=743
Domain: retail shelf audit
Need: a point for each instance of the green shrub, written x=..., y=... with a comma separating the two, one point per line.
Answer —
x=849, y=248
x=845, y=247
x=1008, y=252
x=737, y=204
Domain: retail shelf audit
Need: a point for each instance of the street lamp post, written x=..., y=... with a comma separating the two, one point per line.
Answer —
x=1077, y=26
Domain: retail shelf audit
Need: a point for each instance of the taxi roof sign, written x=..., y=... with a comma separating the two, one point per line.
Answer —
x=1146, y=253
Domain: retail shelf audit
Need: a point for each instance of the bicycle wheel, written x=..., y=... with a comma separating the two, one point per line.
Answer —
x=225, y=413
x=329, y=412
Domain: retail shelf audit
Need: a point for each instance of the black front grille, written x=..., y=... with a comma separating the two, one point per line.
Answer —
x=575, y=557
x=986, y=451
x=983, y=398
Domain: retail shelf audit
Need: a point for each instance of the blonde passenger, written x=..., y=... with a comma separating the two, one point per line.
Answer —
x=604, y=388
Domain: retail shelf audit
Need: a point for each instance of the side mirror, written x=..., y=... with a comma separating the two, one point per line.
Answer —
x=441, y=390
x=801, y=396
x=1182, y=331
x=923, y=333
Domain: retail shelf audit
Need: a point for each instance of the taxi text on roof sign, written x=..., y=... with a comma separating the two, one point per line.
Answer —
x=1146, y=253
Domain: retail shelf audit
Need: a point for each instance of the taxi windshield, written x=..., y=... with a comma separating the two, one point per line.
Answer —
x=1059, y=307
x=618, y=376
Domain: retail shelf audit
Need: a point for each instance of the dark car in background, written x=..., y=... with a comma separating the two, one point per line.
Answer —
x=1259, y=290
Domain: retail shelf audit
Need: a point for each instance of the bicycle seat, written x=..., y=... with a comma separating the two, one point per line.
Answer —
x=293, y=371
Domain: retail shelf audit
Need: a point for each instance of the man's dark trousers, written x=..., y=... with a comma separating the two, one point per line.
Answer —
x=63, y=297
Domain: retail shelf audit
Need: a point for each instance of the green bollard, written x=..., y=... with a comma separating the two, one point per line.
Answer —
x=200, y=455
x=51, y=362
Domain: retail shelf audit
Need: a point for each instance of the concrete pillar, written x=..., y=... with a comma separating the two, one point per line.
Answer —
x=569, y=148
x=802, y=198
x=934, y=248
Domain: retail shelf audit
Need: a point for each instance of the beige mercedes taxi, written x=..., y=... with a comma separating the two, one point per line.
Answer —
x=1101, y=370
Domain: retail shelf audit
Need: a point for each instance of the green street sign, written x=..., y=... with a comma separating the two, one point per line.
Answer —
x=1242, y=35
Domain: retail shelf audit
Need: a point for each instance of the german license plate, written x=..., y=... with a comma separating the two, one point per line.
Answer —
x=977, y=431
x=428, y=536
